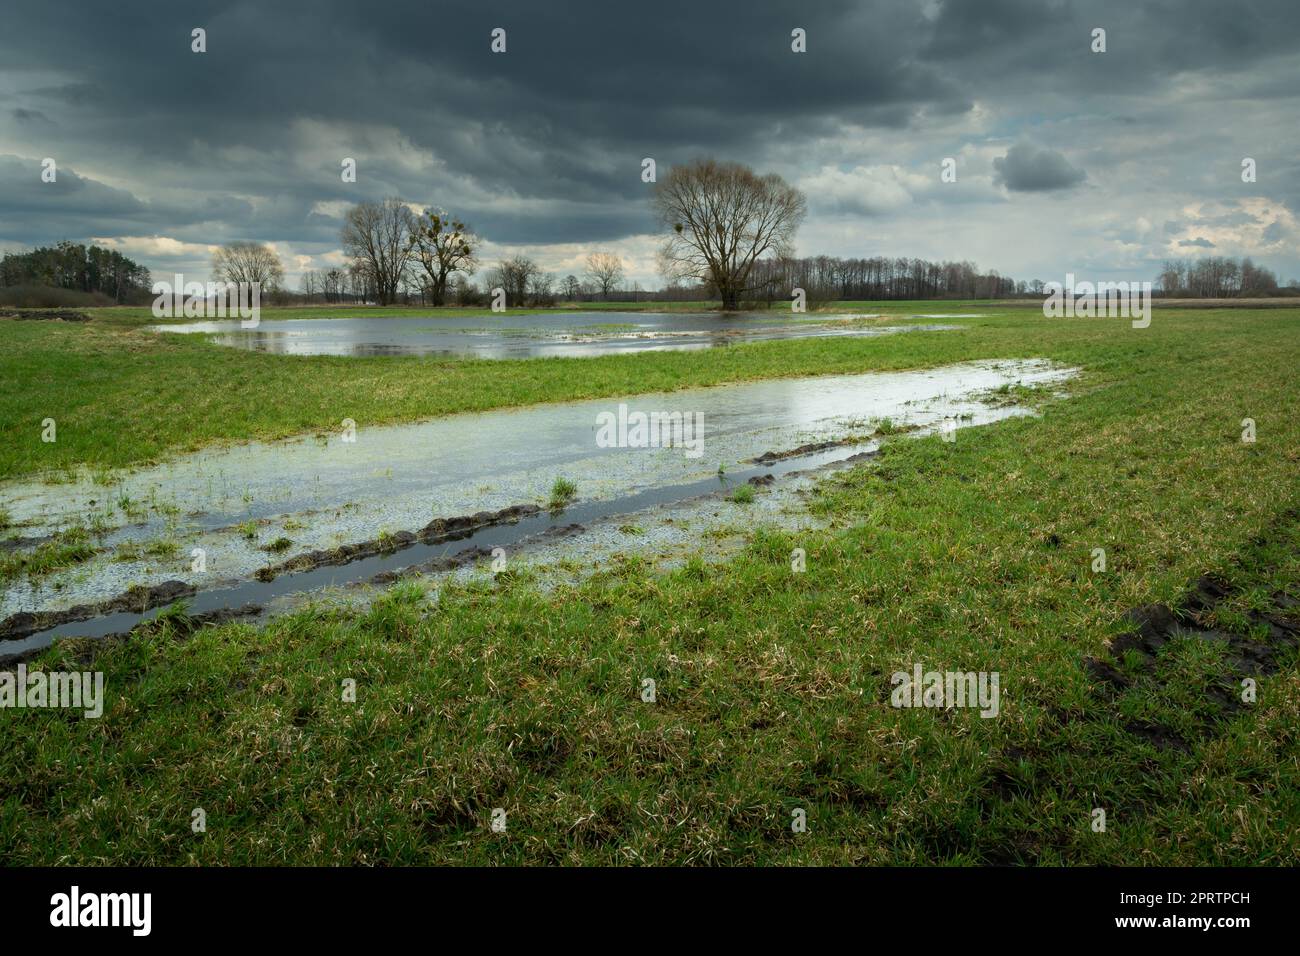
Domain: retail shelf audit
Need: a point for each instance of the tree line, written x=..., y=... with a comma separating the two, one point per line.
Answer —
x=826, y=278
x=79, y=268
x=1219, y=277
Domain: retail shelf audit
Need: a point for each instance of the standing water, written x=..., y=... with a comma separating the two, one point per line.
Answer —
x=236, y=504
x=514, y=336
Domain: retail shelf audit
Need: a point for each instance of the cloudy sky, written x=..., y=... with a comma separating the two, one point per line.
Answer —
x=1103, y=164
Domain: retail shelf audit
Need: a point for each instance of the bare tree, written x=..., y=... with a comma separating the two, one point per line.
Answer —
x=377, y=235
x=332, y=284
x=723, y=217
x=359, y=282
x=518, y=276
x=541, y=289
x=442, y=246
x=605, y=271
x=572, y=288
x=465, y=292
x=248, y=262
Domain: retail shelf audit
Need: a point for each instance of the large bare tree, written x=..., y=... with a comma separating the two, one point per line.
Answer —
x=248, y=262
x=605, y=270
x=722, y=218
x=443, y=246
x=377, y=235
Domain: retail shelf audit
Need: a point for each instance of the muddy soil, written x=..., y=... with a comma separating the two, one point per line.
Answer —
x=59, y=315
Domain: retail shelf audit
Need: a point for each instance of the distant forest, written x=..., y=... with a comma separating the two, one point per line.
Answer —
x=1217, y=277
x=101, y=276
x=824, y=278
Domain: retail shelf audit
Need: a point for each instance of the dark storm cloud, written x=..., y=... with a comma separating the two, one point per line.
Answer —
x=23, y=191
x=551, y=133
x=61, y=209
x=543, y=143
x=1151, y=42
x=1027, y=168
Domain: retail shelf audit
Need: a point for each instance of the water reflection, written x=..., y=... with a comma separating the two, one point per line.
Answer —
x=560, y=335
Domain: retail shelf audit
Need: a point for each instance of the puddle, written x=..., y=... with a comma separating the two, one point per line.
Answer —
x=320, y=494
x=505, y=336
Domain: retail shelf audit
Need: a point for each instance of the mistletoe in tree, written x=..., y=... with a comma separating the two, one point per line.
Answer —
x=443, y=246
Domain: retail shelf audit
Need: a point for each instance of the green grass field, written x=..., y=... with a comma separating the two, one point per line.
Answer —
x=772, y=686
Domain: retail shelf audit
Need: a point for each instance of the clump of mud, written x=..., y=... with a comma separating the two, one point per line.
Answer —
x=136, y=600
x=1152, y=626
x=434, y=566
x=770, y=456
x=1029, y=772
x=59, y=315
x=435, y=532
x=182, y=625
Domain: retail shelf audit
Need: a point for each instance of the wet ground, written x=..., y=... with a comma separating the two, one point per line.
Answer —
x=507, y=336
x=278, y=521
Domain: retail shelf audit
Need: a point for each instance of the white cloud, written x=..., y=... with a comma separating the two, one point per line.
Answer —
x=156, y=247
x=639, y=255
x=869, y=190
